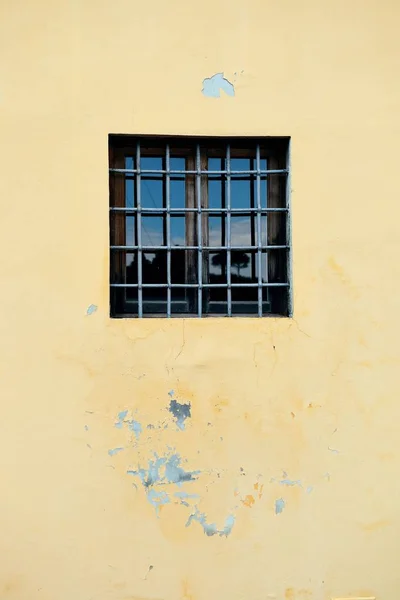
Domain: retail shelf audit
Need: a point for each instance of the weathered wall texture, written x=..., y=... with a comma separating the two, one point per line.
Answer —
x=213, y=459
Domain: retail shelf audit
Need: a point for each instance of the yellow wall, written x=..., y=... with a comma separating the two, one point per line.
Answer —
x=312, y=401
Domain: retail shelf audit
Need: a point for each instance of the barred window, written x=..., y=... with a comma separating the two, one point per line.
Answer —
x=199, y=226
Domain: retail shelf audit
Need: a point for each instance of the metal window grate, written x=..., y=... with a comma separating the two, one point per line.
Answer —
x=190, y=239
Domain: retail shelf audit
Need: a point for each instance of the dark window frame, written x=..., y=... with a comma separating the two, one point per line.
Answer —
x=196, y=285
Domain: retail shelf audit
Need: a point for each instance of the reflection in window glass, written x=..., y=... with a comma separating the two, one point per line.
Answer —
x=152, y=231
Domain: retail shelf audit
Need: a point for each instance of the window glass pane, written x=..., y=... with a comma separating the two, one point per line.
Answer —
x=155, y=301
x=183, y=301
x=153, y=231
x=154, y=267
x=177, y=225
x=131, y=267
x=241, y=264
x=217, y=267
x=217, y=231
x=130, y=230
x=151, y=188
x=215, y=301
x=130, y=181
x=242, y=231
x=245, y=301
x=178, y=266
x=216, y=191
x=177, y=183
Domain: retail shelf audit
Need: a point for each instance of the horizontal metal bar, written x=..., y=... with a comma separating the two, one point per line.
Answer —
x=210, y=248
x=200, y=172
x=196, y=285
x=205, y=210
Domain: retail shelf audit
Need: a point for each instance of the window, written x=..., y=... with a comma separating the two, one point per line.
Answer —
x=199, y=227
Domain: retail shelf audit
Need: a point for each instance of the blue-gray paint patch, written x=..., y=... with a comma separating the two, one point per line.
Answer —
x=133, y=425
x=333, y=450
x=291, y=482
x=120, y=419
x=136, y=427
x=91, y=309
x=212, y=86
x=114, y=451
x=181, y=412
x=279, y=506
x=157, y=499
x=211, y=529
x=172, y=472
x=185, y=495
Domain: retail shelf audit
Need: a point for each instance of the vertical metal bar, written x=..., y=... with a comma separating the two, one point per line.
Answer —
x=139, y=233
x=228, y=227
x=253, y=218
x=199, y=235
x=168, y=216
x=289, y=253
x=259, y=240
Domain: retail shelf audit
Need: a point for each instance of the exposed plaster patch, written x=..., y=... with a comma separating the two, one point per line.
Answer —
x=212, y=86
x=114, y=451
x=91, y=309
x=279, y=506
x=181, y=412
x=210, y=529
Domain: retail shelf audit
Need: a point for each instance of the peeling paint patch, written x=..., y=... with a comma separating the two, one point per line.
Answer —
x=279, y=506
x=212, y=86
x=248, y=501
x=133, y=425
x=86, y=428
x=184, y=497
x=165, y=469
x=136, y=427
x=259, y=488
x=333, y=450
x=157, y=499
x=121, y=418
x=181, y=412
x=291, y=482
x=210, y=529
x=91, y=309
x=114, y=451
